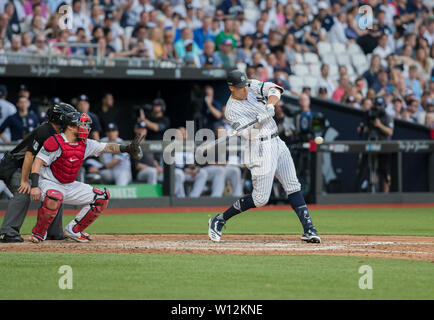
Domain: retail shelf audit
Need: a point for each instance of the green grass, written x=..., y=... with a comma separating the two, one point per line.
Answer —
x=164, y=276
x=134, y=276
x=418, y=222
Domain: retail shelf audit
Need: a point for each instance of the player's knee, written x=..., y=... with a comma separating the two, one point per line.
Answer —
x=202, y=174
x=101, y=199
x=53, y=200
x=295, y=187
x=260, y=200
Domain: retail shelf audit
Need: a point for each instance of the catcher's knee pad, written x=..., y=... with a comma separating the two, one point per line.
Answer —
x=98, y=205
x=47, y=212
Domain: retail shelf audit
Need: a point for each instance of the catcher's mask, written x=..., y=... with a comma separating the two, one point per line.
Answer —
x=84, y=124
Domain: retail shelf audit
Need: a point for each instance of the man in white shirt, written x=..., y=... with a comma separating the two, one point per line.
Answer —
x=337, y=32
x=117, y=167
x=382, y=49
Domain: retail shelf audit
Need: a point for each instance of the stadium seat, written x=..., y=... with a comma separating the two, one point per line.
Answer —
x=333, y=71
x=338, y=48
x=343, y=59
x=310, y=58
x=296, y=82
x=359, y=59
x=310, y=82
x=315, y=70
x=301, y=70
x=328, y=59
x=324, y=48
x=299, y=58
x=354, y=48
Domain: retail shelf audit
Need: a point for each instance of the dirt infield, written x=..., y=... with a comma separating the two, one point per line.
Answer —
x=400, y=247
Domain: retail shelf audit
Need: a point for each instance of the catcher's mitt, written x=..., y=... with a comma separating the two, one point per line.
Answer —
x=134, y=148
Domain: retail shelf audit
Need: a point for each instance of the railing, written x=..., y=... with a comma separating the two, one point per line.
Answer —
x=53, y=59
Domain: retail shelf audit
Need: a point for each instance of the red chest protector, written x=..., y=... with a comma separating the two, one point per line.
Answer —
x=66, y=167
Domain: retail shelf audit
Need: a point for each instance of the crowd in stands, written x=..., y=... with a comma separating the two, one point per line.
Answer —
x=328, y=47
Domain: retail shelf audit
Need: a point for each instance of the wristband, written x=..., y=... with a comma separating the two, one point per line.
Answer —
x=34, y=179
x=123, y=148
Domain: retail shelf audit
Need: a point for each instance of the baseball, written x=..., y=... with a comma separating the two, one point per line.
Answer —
x=319, y=140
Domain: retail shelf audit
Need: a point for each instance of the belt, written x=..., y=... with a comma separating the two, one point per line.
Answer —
x=274, y=135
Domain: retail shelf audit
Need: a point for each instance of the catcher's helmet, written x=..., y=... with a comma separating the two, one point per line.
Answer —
x=80, y=120
x=56, y=112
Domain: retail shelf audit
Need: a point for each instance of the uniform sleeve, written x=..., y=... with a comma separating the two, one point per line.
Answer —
x=50, y=151
x=94, y=148
x=39, y=137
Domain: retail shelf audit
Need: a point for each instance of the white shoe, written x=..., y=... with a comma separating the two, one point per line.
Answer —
x=77, y=236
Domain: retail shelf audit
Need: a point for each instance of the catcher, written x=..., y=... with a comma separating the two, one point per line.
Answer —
x=54, y=172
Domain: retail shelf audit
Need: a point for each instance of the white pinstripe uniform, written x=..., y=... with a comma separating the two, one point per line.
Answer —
x=268, y=158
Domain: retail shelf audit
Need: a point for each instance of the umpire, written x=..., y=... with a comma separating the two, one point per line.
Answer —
x=15, y=168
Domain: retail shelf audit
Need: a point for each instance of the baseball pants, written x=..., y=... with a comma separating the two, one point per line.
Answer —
x=148, y=175
x=17, y=210
x=268, y=159
x=199, y=182
x=119, y=177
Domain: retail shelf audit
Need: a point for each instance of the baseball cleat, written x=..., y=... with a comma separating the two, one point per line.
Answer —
x=76, y=236
x=215, y=227
x=35, y=239
x=311, y=237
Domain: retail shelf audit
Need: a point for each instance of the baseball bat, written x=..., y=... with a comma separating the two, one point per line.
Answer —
x=228, y=136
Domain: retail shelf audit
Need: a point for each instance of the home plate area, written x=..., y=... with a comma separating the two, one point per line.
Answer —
x=402, y=247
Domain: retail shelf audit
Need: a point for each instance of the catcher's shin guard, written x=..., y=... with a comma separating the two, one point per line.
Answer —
x=46, y=215
x=98, y=205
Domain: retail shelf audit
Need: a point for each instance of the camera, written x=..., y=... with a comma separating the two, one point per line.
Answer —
x=378, y=110
x=310, y=125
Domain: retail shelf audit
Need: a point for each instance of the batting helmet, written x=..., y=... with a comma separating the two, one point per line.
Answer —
x=56, y=112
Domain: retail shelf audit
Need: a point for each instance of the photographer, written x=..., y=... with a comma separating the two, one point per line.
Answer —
x=378, y=125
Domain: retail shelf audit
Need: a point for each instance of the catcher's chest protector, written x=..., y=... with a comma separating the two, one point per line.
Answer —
x=66, y=167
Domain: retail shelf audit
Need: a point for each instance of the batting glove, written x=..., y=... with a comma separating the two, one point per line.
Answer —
x=262, y=117
x=270, y=110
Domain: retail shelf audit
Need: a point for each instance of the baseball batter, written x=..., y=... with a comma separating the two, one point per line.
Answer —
x=54, y=172
x=269, y=156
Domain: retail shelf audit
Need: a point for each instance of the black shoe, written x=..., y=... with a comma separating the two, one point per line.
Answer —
x=7, y=239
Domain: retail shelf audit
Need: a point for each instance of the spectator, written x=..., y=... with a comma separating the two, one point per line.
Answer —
x=186, y=170
x=429, y=120
x=117, y=30
x=383, y=49
x=226, y=54
x=83, y=106
x=134, y=9
x=298, y=28
x=148, y=169
x=325, y=81
x=37, y=12
x=30, y=5
x=414, y=81
x=107, y=112
x=96, y=15
x=157, y=122
x=259, y=36
x=371, y=74
x=231, y=7
x=147, y=46
x=186, y=34
x=209, y=58
x=156, y=38
x=16, y=45
x=143, y=22
x=344, y=84
x=6, y=109
x=212, y=109
x=62, y=37
x=337, y=32
x=246, y=27
x=424, y=63
x=202, y=34
x=79, y=18
x=382, y=84
x=20, y=123
x=168, y=46
x=25, y=92
x=291, y=48
x=314, y=34
x=117, y=167
x=322, y=92
x=227, y=33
